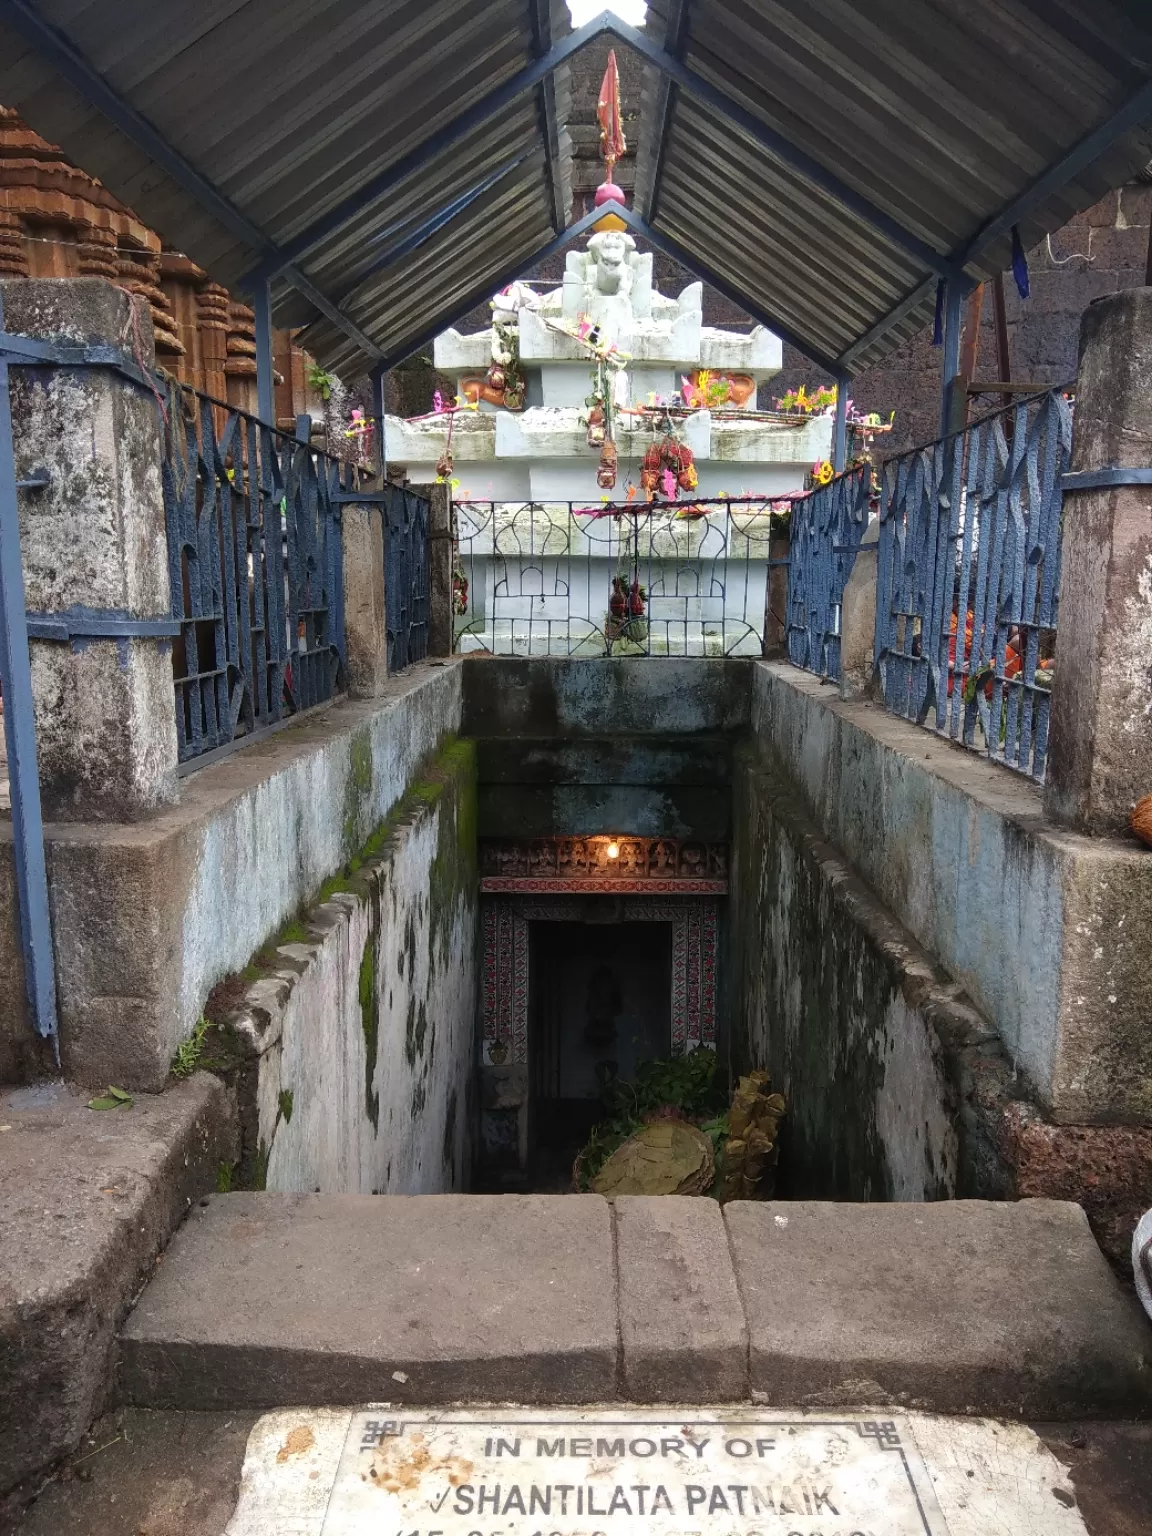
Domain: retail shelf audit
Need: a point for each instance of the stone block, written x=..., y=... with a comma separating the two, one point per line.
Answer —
x=1107, y=1169
x=858, y=618
x=682, y=1332
x=87, y=1201
x=957, y=1307
x=356, y=1298
x=1100, y=753
x=577, y=697
x=94, y=543
x=365, y=633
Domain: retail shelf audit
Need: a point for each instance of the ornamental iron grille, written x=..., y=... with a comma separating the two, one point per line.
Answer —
x=969, y=580
x=825, y=530
x=565, y=578
x=406, y=550
x=255, y=558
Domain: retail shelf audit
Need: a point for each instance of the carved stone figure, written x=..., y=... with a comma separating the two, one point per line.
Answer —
x=609, y=282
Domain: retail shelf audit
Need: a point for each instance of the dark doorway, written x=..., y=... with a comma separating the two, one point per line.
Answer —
x=600, y=996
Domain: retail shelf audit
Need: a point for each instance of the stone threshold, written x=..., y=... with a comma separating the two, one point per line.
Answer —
x=959, y=1307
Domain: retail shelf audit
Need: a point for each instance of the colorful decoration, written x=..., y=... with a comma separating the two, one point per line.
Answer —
x=706, y=390
x=606, y=469
x=823, y=472
x=668, y=466
x=612, y=141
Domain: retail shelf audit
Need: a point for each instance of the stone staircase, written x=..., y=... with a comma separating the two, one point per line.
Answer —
x=268, y=1300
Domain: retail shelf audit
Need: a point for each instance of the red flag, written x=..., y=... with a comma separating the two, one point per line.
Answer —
x=612, y=145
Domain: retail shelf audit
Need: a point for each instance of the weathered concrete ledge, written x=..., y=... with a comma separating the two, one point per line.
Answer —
x=895, y=1083
x=356, y=1033
x=88, y=1200
x=1045, y=930
x=958, y=1307
x=148, y=916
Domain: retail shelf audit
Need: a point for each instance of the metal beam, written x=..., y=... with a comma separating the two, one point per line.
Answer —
x=493, y=285
x=444, y=138
x=20, y=734
x=675, y=40
x=840, y=425
x=1137, y=110
x=265, y=384
x=782, y=147
x=950, y=360
x=540, y=12
x=52, y=45
x=378, y=418
x=434, y=224
x=734, y=295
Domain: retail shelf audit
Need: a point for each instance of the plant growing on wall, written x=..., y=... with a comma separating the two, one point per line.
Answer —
x=321, y=381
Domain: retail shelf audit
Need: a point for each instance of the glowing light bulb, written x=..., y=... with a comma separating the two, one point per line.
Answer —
x=613, y=849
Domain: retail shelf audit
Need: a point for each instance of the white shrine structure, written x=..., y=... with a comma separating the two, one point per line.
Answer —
x=537, y=563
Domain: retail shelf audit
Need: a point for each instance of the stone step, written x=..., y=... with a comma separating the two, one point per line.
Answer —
x=268, y=1300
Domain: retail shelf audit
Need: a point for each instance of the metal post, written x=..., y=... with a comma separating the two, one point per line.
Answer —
x=20, y=734
x=378, y=416
x=950, y=365
x=265, y=390
x=840, y=430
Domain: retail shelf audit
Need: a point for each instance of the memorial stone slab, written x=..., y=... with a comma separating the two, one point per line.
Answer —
x=503, y=1471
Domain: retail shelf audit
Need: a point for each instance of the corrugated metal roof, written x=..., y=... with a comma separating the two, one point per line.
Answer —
x=940, y=114
x=287, y=107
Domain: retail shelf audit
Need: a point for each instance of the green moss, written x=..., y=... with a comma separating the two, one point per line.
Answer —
x=357, y=786
x=293, y=932
x=369, y=1015
x=416, y=1028
x=284, y=1102
x=224, y=1178
x=260, y=1169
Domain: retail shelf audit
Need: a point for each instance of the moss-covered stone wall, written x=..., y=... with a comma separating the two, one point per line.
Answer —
x=355, y=1026
x=894, y=1082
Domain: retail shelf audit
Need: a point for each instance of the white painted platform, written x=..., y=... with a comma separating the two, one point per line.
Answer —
x=673, y=1472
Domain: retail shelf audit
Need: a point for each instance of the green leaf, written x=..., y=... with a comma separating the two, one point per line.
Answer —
x=118, y=1093
x=103, y=1103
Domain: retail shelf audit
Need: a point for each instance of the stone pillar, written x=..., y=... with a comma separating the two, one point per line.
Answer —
x=441, y=618
x=858, y=618
x=1100, y=744
x=94, y=548
x=365, y=633
x=776, y=605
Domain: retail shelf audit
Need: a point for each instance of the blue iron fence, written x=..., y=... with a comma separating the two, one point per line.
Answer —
x=825, y=530
x=969, y=579
x=406, y=575
x=255, y=562
x=566, y=578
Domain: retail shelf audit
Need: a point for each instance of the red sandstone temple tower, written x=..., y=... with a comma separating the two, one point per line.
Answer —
x=57, y=221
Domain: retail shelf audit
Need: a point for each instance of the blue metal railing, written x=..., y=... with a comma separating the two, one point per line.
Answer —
x=406, y=575
x=969, y=579
x=825, y=530
x=255, y=557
